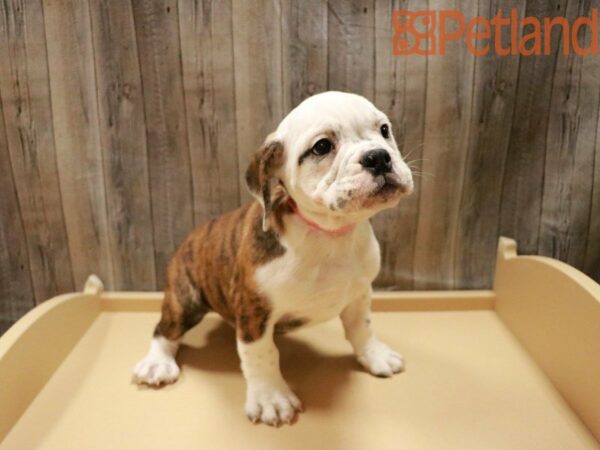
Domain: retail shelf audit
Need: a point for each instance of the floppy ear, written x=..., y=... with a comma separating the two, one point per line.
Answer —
x=260, y=176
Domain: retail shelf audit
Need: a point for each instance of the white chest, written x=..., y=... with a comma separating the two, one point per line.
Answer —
x=318, y=275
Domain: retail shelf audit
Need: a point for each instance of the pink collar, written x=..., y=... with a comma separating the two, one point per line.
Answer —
x=315, y=226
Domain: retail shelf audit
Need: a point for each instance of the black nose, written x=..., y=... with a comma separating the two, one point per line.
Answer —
x=377, y=161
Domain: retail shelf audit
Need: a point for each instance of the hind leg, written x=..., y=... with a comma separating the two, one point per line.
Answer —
x=182, y=309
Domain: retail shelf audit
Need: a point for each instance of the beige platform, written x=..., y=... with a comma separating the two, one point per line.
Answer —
x=513, y=368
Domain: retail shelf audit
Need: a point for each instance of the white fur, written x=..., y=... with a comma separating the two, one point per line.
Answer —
x=268, y=397
x=372, y=354
x=320, y=277
x=318, y=184
x=158, y=366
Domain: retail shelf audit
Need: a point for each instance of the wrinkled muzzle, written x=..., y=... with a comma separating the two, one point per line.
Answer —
x=375, y=178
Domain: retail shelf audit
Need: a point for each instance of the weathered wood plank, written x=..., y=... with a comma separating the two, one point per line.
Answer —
x=494, y=90
x=351, y=46
x=157, y=32
x=111, y=147
x=448, y=121
x=569, y=165
x=77, y=137
x=521, y=202
x=591, y=264
x=28, y=117
x=258, y=80
x=123, y=140
x=400, y=83
x=592, y=251
x=304, y=45
x=16, y=288
x=209, y=86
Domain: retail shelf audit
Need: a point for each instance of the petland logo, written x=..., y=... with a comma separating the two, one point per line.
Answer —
x=428, y=32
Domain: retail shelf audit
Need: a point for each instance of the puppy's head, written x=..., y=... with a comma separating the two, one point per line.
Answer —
x=336, y=157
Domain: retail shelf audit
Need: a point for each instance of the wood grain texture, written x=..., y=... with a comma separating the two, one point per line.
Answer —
x=125, y=123
x=493, y=103
x=569, y=164
x=16, y=288
x=351, y=46
x=448, y=118
x=304, y=47
x=258, y=79
x=28, y=123
x=400, y=88
x=209, y=86
x=157, y=32
x=522, y=195
x=592, y=252
x=123, y=141
x=77, y=137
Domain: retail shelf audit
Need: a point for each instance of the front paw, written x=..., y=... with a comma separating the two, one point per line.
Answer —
x=156, y=371
x=380, y=360
x=270, y=402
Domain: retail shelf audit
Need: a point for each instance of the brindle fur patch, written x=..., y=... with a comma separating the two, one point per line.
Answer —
x=265, y=245
x=260, y=177
x=262, y=166
x=214, y=270
x=253, y=314
x=184, y=304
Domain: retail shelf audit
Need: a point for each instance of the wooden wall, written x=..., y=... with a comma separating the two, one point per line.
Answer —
x=124, y=123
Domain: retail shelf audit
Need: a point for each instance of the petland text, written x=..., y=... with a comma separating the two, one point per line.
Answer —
x=428, y=33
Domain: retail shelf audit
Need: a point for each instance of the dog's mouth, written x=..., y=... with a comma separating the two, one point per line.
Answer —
x=382, y=191
x=388, y=185
x=388, y=190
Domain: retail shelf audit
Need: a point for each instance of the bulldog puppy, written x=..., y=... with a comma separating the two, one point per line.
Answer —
x=304, y=252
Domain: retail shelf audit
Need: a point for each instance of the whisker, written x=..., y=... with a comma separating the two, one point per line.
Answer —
x=412, y=150
x=446, y=137
x=418, y=160
x=423, y=174
x=417, y=168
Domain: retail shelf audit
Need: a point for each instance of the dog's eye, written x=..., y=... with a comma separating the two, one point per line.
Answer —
x=322, y=147
x=385, y=131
